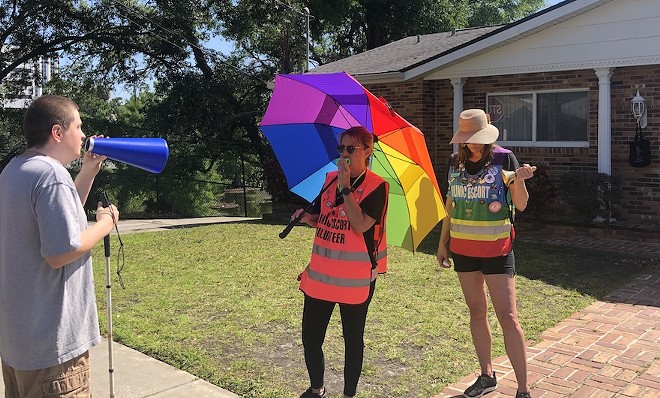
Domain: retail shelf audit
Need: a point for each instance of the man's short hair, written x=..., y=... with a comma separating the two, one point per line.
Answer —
x=45, y=112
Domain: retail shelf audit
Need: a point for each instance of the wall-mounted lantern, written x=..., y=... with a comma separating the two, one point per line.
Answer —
x=640, y=148
x=638, y=109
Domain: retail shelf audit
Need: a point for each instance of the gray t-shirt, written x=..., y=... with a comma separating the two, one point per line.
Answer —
x=47, y=316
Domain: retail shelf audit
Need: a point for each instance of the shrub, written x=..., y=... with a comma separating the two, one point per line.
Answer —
x=541, y=192
x=591, y=194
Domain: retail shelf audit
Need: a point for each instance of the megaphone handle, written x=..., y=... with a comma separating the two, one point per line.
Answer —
x=106, y=239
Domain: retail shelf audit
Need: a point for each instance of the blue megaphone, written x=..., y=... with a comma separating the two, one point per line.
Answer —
x=148, y=154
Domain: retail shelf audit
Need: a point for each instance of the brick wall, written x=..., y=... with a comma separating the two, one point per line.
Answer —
x=641, y=185
x=428, y=105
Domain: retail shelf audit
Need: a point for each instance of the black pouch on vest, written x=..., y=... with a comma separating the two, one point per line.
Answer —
x=640, y=150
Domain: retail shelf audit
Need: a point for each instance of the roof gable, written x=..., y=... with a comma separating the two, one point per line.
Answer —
x=615, y=33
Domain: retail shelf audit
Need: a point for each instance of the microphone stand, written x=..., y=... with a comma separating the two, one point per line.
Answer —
x=108, y=287
x=296, y=220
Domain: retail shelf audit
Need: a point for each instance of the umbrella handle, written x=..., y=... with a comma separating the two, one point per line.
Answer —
x=295, y=221
x=292, y=224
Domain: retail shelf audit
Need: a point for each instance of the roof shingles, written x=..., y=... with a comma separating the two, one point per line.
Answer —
x=402, y=54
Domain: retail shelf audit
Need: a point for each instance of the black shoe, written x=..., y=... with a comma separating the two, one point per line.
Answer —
x=523, y=395
x=311, y=394
x=483, y=385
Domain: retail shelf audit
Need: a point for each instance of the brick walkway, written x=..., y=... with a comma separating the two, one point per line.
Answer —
x=609, y=349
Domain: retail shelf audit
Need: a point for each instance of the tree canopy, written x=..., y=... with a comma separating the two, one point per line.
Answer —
x=340, y=28
x=207, y=104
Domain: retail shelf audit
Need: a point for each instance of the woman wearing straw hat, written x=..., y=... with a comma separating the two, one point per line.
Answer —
x=486, y=184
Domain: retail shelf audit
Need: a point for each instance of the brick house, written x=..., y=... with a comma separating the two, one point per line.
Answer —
x=558, y=84
x=44, y=66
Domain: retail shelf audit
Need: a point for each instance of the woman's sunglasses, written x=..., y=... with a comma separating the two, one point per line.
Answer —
x=349, y=148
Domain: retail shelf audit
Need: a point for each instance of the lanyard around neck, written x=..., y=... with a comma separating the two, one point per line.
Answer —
x=354, y=181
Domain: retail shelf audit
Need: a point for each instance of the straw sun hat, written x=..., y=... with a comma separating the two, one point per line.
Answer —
x=474, y=128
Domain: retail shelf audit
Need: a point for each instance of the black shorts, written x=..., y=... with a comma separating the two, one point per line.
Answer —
x=487, y=266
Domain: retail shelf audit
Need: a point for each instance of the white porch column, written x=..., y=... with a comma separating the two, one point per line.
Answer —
x=604, y=120
x=457, y=84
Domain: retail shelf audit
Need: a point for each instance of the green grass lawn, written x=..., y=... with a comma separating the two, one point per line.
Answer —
x=222, y=302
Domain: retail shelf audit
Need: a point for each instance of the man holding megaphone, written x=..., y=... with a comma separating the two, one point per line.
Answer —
x=48, y=316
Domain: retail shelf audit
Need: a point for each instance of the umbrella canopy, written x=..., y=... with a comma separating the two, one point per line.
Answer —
x=305, y=115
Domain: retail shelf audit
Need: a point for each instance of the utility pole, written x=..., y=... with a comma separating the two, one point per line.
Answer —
x=307, y=15
x=306, y=10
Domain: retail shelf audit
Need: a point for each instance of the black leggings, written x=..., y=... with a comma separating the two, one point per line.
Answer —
x=316, y=316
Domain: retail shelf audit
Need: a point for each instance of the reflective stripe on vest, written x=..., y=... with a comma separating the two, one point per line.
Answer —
x=347, y=256
x=481, y=230
x=340, y=267
x=343, y=282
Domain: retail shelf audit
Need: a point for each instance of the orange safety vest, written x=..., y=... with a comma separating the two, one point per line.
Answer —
x=340, y=267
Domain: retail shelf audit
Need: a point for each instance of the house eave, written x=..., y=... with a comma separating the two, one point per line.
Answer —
x=612, y=63
x=380, y=78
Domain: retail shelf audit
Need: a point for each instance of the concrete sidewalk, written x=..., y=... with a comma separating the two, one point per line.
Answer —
x=160, y=224
x=137, y=375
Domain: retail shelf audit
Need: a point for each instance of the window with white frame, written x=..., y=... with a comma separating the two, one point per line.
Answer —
x=543, y=117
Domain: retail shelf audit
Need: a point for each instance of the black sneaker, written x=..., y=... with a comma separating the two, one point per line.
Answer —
x=483, y=385
x=523, y=395
x=311, y=394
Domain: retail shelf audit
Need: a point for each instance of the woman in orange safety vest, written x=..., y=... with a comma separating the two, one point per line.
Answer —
x=349, y=251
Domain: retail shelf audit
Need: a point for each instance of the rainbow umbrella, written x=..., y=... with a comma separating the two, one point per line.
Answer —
x=305, y=115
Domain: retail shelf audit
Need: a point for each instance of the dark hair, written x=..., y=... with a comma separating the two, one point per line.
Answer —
x=361, y=135
x=464, y=153
x=45, y=112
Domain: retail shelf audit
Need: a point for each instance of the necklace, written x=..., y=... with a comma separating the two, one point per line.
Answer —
x=485, y=175
x=476, y=182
